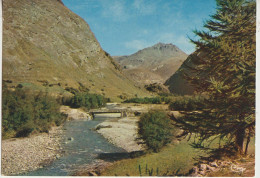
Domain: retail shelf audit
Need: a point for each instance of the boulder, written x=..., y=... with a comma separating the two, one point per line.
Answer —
x=203, y=167
x=214, y=164
x=212, y=169
x=203, y=173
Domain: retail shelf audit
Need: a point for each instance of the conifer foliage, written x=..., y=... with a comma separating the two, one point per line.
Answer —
x=224, y=70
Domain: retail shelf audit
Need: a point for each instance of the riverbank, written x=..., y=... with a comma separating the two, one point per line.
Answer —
x=121, y=132
x=20, y=155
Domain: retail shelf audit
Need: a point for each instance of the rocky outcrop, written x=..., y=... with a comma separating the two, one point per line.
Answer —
x=154, y=64
x=205, y=169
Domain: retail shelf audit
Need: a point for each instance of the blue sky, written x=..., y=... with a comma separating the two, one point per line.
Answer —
x=123, y=27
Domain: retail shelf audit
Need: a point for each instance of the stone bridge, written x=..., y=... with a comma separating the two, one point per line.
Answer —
x=123, y=112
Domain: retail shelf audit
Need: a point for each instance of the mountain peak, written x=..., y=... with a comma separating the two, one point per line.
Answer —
x=153, y=64
x=166, y=46
x=163, y=44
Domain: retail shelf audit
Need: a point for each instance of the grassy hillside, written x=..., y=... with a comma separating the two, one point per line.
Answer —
x=44, y=43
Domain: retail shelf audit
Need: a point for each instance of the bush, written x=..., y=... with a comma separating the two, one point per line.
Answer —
x=187, y=103
x=25, y=130
x=24, y=113
x=155, y=129
x=85, y=100
x=163, y=98
x=145, y=100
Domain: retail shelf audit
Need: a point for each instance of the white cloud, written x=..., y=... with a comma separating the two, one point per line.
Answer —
x=137, y=4
x=144, y=7
x=115, y=9
x=137, y=44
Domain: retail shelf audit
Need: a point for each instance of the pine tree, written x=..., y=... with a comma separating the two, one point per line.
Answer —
x=224, y=70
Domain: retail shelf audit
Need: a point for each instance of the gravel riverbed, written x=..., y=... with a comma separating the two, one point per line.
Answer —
x=122, y=133
x=20, y=155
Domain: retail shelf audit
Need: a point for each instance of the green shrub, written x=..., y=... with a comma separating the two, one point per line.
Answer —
x=155, y=129
x=24, y=113
x=145, y=100
x=163, y=98
x=86, y=100
x=25, y=129
x=65, y=100
x=187, y=103
x=166, y=99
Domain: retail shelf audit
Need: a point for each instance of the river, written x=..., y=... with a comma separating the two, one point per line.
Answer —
x=82, y=146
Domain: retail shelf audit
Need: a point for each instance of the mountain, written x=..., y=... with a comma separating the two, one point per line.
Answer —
x=154, y=64
x=46, y=44
x=177, y=84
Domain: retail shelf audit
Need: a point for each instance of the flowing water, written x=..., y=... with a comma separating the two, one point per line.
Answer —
x=82, y=145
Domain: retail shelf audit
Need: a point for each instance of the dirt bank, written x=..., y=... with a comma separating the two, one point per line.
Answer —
x=20, y=155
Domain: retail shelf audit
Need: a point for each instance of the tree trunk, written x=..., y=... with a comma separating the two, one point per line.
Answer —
x=249, y=134
x=247, y=143
x=240, y=134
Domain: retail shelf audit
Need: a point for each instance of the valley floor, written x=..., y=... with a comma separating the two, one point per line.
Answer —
x=20, y=155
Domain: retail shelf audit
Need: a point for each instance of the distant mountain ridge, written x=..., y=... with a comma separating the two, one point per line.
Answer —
x=154, y=64
x=44, y=43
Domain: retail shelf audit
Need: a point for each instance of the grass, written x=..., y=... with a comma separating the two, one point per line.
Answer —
x=169, y=159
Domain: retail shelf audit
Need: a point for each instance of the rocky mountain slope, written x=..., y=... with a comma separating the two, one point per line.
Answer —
x=153, y=64
x=177, y=84
x=44, y=43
